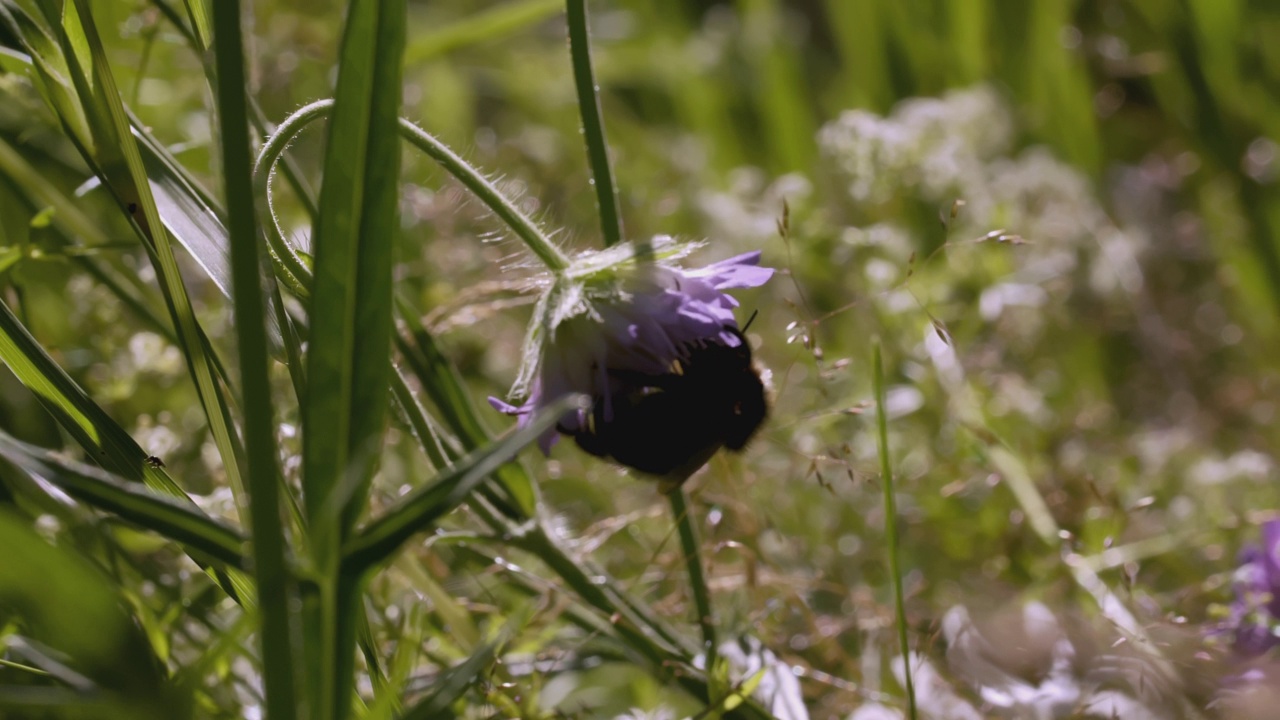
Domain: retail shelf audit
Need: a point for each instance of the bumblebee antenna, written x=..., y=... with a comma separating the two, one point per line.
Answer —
x=750, y=320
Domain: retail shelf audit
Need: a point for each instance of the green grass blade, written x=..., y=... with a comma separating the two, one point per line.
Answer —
x=192, y=216
x=198, y=16
x=891, y=524
x=53, y=77
x=67, y=215
x=348, y=363
x=370, y=650
x=180, y=522
x=114, y=155
x=275, y=590
x=863, y=48
x=491, y=24
x=186, y=210
x=417, y=511
x=178, y=20
x=68, y=606
x=443, y=384
x=197, y=9
x=458, y=679
x=105, y=441
x=584, y=83
x=440, y=378
x=781, y=87
x=291, y=338
x=79, y=231
x=423, y=427
x=701, y=594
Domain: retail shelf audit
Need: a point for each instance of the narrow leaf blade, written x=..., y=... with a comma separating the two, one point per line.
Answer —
x=416, y=512
x=181, y=523
x=348, y=361
x=458, y=679
x=276, y=590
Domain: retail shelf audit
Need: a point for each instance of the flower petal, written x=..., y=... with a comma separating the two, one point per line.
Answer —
x=547, y=440
x=507, y=408
x=742, y=271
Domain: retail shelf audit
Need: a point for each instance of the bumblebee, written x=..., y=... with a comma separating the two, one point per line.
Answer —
x=670, y=425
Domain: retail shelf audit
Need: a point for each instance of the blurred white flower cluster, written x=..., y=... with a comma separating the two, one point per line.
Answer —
x=954, y=152
x=746, y=214
x=1022, y=663
x=774, y=684
x=936, y=144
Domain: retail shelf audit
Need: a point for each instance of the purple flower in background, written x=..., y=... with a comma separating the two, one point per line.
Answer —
x=1255, y=612
x=659, y=351
x=1250, y=685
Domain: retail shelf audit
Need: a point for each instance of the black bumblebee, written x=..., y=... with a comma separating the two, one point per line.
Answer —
x=670, y=425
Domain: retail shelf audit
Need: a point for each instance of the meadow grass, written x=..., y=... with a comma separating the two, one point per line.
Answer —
x=260, y=260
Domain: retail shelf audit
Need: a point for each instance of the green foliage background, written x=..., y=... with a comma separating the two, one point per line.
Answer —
x=1070, y=255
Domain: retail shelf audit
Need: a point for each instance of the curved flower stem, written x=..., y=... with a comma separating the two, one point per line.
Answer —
x=290, y=267
x=294, y=269
x=698, y=581
x=592, y=124
x=501, y=206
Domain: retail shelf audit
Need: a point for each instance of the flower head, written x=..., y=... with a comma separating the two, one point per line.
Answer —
x=630, y=332
x=1255, y=613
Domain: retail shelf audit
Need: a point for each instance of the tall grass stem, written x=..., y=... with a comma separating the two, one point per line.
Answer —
x=584, y=82
x=891, y=525
x=698, y=583
x=262, y=473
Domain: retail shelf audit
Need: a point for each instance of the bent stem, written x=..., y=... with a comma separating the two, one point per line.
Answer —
x=698, y=582
x=891, y=525
x=295, y=270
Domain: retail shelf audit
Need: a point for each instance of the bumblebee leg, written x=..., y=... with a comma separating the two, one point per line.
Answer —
x=591, y=444
x=588, y=437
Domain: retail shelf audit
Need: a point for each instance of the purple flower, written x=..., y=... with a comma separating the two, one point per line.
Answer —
x=619, y=332
x=1255, y=612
